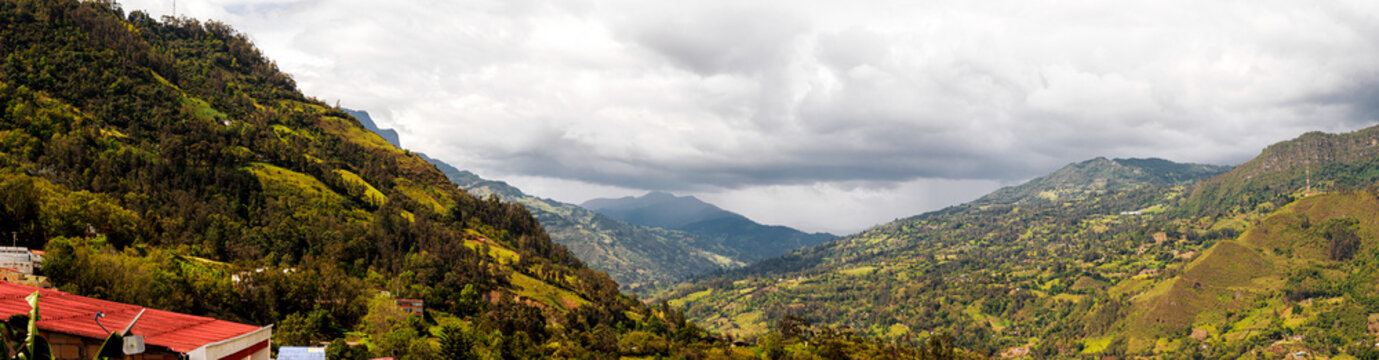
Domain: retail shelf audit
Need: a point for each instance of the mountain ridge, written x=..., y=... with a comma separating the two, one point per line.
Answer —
x=688, y=213
x=1100, y=174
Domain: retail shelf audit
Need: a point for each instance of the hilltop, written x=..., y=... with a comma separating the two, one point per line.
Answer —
x=1101, y=175
x=1160, y=265
x=365, y=120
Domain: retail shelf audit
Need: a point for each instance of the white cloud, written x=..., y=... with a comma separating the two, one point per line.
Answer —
x=774, y=100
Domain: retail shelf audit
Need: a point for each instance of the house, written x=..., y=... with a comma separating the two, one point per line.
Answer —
x=302, y=353
x=68, y=321
x=19, y=258
x=412, y=306
x=11, y=274
x=36, y=258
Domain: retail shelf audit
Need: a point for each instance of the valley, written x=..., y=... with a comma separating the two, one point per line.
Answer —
x=167, y=163
x=1068, y=265
x=643, y=257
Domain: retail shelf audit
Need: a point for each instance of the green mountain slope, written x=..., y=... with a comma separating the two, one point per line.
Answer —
x=1157, y=269
x=753, y=241
x=1282, y=170
x=1305, y=269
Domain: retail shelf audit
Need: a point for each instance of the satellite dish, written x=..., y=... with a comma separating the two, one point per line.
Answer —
x=133, y=344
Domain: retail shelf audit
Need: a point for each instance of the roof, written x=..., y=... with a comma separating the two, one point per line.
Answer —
x=73, y=314
x=301, y=353
x=10, y=269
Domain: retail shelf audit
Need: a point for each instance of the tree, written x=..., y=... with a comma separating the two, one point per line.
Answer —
x=299, y=329
x=339, y=350
x=1341, y=238
x=457, y=344
x=792, y=327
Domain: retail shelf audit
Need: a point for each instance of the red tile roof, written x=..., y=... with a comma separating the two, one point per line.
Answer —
x=72, y=314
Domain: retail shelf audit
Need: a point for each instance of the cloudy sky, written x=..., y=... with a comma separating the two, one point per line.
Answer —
x=826, y=116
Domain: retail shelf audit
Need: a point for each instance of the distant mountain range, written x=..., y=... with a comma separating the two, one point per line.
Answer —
x=687, y=213
x=642, y=257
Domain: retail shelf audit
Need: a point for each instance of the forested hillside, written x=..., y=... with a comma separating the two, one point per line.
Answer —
x=1247, y=263
x=154, y=159
x=167, y=163
x=1270, y=180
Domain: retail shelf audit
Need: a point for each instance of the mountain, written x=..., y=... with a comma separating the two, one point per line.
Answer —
x=1284, y=170
x=1246, y=263
x=687, y=213
x=643, y=259
x=658, y=209
x=1101, y=175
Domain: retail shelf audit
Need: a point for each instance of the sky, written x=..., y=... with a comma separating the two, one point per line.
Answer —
x=824, y=116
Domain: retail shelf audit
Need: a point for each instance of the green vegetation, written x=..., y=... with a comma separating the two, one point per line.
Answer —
x=166, y=163
x=1073, y=264
x=1100, y=175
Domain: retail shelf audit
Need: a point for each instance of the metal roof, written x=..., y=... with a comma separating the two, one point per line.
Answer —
x=301, y=353
x=75, y=315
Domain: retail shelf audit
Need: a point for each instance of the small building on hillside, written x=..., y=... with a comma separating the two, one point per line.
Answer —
x=11, y=274
x=36, y=258
x=19, y=258
x=412, y=306
x=302, y=353
x=69, y=323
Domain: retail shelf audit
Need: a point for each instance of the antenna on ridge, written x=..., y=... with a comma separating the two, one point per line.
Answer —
x=1309, y=180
